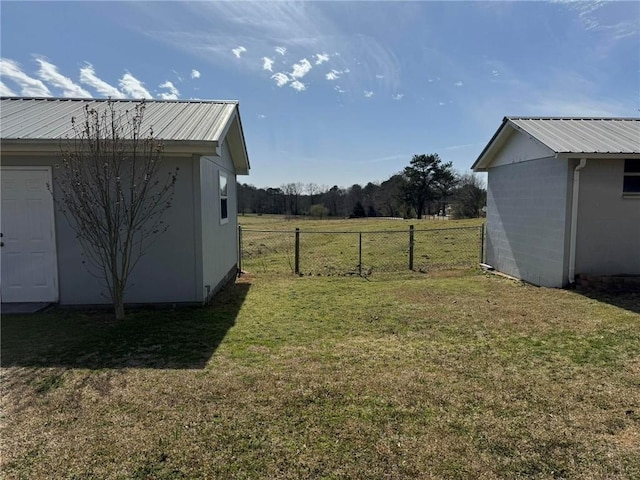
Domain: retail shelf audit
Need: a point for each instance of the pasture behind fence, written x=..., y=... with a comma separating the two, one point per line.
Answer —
x=309, y=252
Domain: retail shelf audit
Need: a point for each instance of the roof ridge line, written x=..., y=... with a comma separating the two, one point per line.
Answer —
x=128, y=100
x=604, y=119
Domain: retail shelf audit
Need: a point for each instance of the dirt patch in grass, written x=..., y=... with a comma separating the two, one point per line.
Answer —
x=456, y=376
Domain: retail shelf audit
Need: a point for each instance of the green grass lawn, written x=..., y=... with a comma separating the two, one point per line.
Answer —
x=332, y=246
x=455, y=374
x=282, y=222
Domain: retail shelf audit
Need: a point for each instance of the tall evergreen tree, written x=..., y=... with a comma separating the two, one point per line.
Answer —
x=427, y=179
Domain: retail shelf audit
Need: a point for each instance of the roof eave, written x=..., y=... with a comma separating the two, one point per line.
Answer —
x=482, y=162
x=236, y=141
x=598, y=155
x=172, y=148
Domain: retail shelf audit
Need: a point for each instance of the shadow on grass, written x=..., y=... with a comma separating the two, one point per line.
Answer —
x=147, y=338
x=626, y=300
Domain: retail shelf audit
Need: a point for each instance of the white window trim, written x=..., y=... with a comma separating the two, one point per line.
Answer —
x=221, y=197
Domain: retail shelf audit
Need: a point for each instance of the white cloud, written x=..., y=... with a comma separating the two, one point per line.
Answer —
x=398, y=96
x=6, y=91
x=29, y=87
x=280, y=78
x=238, y=51
x=49, y=73
x=495, y=73
x=599, y=16
x=173, y=93
x=298, y=85
x=368, y=94
x=178, y=76
x=333, y=75
x=442, y=104
x=379, y=76
x=336, y=74
x=88, y=76
x=338, y=89
x=301, y=69
x=261, y=116
x=267, y=63
x=195, y=73
x=133, y=87
x=321, y=58
x=458, y=84
x=281, y=30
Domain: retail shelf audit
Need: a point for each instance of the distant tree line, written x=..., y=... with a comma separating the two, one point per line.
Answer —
x=427, y=186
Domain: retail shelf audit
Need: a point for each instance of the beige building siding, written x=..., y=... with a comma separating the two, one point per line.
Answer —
x=608, y=240
x=219, y=240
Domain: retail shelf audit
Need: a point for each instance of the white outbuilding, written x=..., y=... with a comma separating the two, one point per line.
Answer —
x=563, y=198
x=42, y=259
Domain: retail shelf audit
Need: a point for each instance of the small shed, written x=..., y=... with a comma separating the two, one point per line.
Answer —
x=41, y=258
x=563, y=198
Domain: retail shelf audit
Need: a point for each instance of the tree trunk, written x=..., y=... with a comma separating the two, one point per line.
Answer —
x=118, y=303
x=119, y=309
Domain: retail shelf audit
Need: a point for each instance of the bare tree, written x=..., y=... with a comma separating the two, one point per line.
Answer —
x=312, y=189
x=109, y=187
x=292, y=192
x=469, y=197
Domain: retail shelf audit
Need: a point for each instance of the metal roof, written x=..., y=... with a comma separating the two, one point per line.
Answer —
x=569, y=136
x=583, y=135
x=50, y=118
x=185, y=127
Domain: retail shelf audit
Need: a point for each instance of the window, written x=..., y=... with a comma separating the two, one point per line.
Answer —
x=631, y=182
x=224, y=198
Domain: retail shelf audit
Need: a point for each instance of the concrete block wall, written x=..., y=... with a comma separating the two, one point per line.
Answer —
x=526, y=215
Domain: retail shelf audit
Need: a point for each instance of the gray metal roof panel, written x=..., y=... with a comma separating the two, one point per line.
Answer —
x=50, y=118
x=583, y=135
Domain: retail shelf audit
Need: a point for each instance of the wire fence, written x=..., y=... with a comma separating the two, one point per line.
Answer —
x=358, y=253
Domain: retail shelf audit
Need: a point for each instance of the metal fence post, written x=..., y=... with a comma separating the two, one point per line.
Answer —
x=410, y=247
x=297, y=252
x=239, y=250
x=360, y=256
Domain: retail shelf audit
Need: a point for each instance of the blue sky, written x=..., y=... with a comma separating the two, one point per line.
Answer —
x=337, y=93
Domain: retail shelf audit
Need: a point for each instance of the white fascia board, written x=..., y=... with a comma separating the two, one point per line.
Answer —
x=496, y=142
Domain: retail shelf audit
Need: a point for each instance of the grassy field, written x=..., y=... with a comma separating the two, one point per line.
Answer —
x=333, y=246
x=447, y=375
x=281, y=222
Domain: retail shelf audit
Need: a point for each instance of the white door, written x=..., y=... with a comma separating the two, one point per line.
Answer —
x=29, y=265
